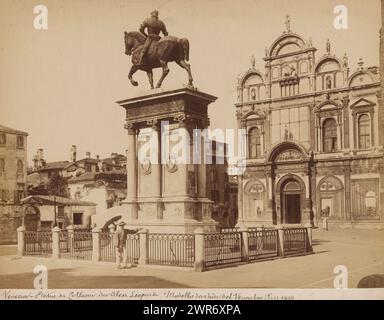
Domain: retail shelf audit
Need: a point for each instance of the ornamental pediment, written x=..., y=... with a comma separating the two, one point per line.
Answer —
x=362, y=103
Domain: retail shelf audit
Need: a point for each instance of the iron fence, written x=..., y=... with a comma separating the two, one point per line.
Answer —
x=37, y=243
x=222, y=248
x=107, y=249
x=262, y=244
x=171, y=249
x=295, y=240
x=64, y=242
x=78, y=245
x=132, y=248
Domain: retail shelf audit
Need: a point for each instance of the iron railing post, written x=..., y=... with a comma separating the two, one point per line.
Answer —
x=244, y=245
x=280, y=237
x=96, y=244
x=20, y=241
x=143, y=236
x=56, y=243
x=71, y=240
x=199, y=264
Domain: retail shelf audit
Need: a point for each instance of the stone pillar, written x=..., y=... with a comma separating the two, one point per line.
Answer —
x=346, y=122
x=143, y=242
x=202, y=173
x=348, y=206
x=269, y=209
x=280, y=238
x=339, y=134
x=371, y=118
x=185, y=137
x=309, y=239
x=245, y=245
x=157, y=167
x=320, y=137
x=96, y=244
x=199, y=264
x=132, y=172
x=56, y=243
x=240, y=202
x=306, y=218
x=354, y=126
x=20, y=241
x=71, y=240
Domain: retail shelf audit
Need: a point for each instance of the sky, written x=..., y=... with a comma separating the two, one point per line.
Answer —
x=61, y=85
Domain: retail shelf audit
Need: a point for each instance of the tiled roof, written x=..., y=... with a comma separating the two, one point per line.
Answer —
x=54, y=165
x=88, y=160
x=10, y=130
x=51, y=200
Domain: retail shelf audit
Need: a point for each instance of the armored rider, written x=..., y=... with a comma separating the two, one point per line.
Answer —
x=154, y=26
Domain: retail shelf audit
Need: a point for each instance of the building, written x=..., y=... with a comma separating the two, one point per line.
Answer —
x=106, y=188
x=72, y=171
x=219, y=189
x=13, y=172
x=315, y=146
x=42, y=213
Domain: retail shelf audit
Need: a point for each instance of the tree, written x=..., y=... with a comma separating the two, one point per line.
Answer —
x=57, y=186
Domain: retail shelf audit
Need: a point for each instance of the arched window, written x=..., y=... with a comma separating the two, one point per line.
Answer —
x=329, y=135
x=254, y=143
x=364, y=132
x=19, y=166
x=2, y=165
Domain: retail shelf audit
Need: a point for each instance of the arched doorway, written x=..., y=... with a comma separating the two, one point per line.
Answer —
x=291, y=199
x=31, y=218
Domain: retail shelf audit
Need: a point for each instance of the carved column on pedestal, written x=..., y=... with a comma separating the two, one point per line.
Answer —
x=347, y=175
x=157, y=167
x=131, y=199
x=346, y=122
x=240, y=202
x=307, y=202
x=269, y=210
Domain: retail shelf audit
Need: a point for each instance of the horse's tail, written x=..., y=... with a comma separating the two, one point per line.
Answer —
x=185, y=45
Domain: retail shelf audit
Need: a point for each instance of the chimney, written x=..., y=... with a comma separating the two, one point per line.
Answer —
x=88, y=155
x=73, y=153
x=40, y=158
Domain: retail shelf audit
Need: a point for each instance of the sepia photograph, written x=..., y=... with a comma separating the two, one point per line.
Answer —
x=189, y=150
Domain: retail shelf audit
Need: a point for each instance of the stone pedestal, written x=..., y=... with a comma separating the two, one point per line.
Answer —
x=166, y=188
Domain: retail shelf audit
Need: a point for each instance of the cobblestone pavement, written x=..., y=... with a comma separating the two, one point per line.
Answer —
x=361, y=251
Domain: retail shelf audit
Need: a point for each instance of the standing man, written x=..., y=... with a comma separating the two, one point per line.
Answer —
x=119, y=240
x=154, y=26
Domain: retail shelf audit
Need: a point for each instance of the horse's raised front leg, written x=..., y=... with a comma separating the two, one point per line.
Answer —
x=186, y=66
x=134, y=68
x=150, y=77
x=165, y=72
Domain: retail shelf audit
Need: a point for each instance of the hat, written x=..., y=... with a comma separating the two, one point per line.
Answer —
x=121, y=223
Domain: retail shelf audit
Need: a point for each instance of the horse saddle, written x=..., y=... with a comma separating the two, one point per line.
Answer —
x=136, y=55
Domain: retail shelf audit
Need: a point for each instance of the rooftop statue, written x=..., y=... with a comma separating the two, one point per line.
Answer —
x=150, y=51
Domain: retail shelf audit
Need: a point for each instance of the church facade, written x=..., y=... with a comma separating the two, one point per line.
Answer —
x=314, y=144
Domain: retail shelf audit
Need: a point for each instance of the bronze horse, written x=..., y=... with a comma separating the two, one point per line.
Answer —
x=167, y=49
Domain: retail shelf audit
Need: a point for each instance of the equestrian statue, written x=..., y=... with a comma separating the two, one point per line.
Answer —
x=150, y=51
